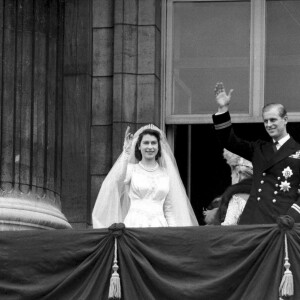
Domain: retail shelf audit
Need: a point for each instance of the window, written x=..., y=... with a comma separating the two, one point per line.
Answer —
x=252, y=46
x=283, y=53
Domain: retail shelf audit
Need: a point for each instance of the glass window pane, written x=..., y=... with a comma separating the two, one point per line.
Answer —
x=283, y=54
x=211, y=42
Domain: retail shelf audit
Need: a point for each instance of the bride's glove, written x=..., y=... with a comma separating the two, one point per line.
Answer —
x=127, y=141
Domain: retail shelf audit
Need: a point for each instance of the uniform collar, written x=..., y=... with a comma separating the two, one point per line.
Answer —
x=282, y=141
x=290, y=146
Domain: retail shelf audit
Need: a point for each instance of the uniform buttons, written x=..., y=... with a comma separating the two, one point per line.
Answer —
x=274, y=200
x=275, y=192
x=276, y=184
x=264, y=174
x=262, y=182
x=259, y=190
x=258, y=198
x=278, y=178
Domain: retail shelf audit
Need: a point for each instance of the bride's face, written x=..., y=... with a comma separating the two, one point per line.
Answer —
x=149, y=147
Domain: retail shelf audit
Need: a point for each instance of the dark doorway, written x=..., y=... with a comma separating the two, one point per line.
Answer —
x=210, y=175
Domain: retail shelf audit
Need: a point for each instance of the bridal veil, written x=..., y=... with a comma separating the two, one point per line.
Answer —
x=112, y=203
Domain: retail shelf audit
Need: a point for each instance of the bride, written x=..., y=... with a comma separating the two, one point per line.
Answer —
x=144, y=188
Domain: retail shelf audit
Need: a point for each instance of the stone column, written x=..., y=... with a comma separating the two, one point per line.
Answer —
x=31, y=63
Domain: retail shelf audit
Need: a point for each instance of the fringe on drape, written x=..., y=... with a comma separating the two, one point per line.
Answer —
x=115, y=284
x=286, y=288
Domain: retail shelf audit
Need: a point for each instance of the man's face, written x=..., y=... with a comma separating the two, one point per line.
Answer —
x=274, y=124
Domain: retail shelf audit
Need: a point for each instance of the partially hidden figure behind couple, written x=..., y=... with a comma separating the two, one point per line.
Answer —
x=144, y=188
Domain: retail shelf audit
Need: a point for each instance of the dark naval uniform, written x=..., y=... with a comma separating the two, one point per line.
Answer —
x=275, y=189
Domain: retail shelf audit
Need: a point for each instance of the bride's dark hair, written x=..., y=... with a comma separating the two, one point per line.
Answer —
x=137, y=152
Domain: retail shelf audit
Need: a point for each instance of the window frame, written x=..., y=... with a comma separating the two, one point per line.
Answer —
x=257, y=67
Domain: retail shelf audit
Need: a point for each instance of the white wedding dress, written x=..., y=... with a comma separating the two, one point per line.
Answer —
x=149, y=204
x=148, y=198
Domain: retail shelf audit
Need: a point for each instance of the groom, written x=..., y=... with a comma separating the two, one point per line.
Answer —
x=275, y=189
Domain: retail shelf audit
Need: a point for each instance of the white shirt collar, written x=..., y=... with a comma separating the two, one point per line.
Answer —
x=282, y=141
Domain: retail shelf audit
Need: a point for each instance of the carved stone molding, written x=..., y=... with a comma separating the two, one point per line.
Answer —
x=23, y=211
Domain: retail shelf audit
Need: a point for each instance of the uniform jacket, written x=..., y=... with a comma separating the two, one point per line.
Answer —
x=276, y=175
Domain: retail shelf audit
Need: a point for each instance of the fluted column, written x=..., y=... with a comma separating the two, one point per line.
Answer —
x=31, y=114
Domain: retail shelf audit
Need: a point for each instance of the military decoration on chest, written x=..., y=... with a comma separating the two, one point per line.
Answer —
x=285, y=185
x=296, y=155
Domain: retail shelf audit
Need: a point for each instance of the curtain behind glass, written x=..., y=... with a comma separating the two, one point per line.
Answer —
x=211, y=42
x=283, y=53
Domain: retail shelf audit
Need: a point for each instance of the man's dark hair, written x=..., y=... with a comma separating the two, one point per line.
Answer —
x=281, y=109
x=137, y=153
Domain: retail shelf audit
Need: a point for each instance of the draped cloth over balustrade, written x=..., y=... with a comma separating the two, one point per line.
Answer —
x=211, y=262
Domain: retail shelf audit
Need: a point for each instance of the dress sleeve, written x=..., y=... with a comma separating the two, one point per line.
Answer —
x=119, y=170
x=235, y=208
x=169, y=211
x=129, y=171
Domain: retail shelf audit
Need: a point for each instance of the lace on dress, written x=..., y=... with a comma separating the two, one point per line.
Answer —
x=235, y=208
